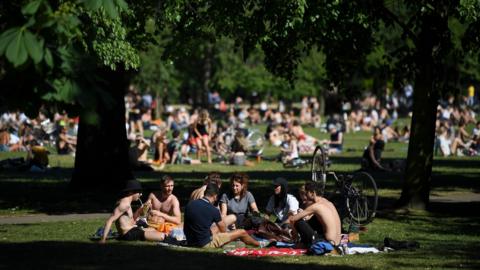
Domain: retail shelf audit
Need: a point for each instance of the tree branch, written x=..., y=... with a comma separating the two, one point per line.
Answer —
x=405, y=27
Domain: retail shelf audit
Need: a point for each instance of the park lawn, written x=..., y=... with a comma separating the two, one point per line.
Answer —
x=448, y=233
x=66, y=245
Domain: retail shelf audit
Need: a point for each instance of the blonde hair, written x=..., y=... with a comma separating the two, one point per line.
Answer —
x=203, y=115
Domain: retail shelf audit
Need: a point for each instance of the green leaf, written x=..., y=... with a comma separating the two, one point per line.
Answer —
x=121, y=4
x=110, y=8
x=92, y=4
x=31, y=8
x=34, y=47
x=16, y=51
x=48, y=57
x=6, y=37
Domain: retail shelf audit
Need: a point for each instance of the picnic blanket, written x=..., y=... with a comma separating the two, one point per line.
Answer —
x=261, y=252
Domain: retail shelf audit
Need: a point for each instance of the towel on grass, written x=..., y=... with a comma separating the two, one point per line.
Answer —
x=272, y=251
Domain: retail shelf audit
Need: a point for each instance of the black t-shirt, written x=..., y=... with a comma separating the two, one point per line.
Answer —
x=199, y=216
x=377, y=153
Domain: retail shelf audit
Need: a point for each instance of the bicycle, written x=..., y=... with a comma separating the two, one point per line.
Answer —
x=358, y=191
x=296, y=163
x=255, y=143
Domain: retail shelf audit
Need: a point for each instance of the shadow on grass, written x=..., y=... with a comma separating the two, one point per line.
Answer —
x=49, y=192
x=73, y=255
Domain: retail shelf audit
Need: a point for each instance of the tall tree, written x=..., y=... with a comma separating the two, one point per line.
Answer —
x=76, y=54
x=345, y=32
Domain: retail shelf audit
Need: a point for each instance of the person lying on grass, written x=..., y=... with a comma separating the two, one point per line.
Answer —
x=125, y=219
x=200, y=215
x=324, y=224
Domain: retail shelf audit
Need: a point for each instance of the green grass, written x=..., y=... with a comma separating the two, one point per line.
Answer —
x=448, y=233
x=65, y=245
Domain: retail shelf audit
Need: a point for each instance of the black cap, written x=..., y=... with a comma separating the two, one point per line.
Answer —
x=132, y=186
x=280, y=181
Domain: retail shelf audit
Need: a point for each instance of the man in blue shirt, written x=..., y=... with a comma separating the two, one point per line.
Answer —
x=201, y=214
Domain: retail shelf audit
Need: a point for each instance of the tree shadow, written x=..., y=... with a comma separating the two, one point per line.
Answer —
x=74, y=255
x=49, y=192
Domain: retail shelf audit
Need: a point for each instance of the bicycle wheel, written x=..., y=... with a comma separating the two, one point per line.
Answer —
x=255, y=142
x=361, y=198
x=222, y=145
x=319, y=166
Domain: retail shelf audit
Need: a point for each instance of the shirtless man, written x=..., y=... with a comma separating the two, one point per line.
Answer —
x=125, y=219
x=164, y=206
x=324, y=223
x=212, y=177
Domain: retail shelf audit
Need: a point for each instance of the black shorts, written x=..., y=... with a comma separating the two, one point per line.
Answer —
x=134, y=234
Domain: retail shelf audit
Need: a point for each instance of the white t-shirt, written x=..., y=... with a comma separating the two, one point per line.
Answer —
x=444, y=145
x=282, y=213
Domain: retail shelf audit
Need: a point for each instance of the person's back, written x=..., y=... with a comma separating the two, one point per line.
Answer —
x=240, y=143
x=330, y=220
x=40, y=156
x=373, y=153
x=198, y=219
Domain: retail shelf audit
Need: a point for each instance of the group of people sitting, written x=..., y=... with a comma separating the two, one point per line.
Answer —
x=212, y=219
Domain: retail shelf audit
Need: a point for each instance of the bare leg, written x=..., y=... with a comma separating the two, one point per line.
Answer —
x=244, y=237
x=229, y=219
x=132, y=127
x=140, y=127
x=154, y=235
x=207, y=148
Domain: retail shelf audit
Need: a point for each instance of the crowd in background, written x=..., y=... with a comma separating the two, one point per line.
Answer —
x=185, y=135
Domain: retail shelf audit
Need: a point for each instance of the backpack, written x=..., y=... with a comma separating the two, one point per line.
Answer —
x=321, y=247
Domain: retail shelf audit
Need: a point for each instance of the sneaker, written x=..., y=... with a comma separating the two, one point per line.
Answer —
x=264, y=244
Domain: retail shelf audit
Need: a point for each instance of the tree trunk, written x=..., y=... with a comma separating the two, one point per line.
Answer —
x=101, y=162
x=418, y=178
x=207, y=73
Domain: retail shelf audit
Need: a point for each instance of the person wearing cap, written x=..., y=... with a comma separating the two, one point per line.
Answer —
x=204, y=226
x=281, y=204
x=324, y=224
x=124, y=217
x=335, y=144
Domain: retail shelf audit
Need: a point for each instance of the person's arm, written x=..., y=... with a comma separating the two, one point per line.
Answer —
x=176, y=218
x=222, y=227
x=251, y=203
x=308, y=211
x=270, y=205
x=375, y=162
x=293, y=206
x=117, y=212
x=253, y=207
x=210, y=128
x=339, y=139
x=465, y=133
x=223, y=209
